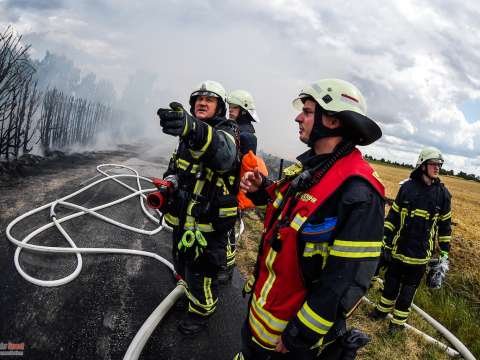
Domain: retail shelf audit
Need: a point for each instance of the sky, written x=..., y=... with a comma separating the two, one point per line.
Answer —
x=416, y=62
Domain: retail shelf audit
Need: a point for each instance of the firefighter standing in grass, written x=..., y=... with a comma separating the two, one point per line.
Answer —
x=204, y=207
x=322, y=234
x=241, y=109
x=420, y=213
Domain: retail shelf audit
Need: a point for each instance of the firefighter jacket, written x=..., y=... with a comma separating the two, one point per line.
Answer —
x=248, y=140
x=419, y=215
x=316, y=261
x=207, y=172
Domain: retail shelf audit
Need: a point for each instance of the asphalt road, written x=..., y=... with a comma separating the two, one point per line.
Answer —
x=97, y=315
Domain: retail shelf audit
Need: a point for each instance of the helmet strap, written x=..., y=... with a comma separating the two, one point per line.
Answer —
x=319, y=130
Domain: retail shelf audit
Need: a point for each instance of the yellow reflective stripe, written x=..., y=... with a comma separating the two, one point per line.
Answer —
x=385, y=309
x=313, y=321
x=395, y=207
x=207, y=283
x=198, y=187
x=209, y=174
x=267, y=286
x=312, y=249
x=400, y=313
x=446, y=216
x=197, y=302
x=231, y=179
x=403, y=214
x=409, y=260
x=226, y=212
x=278, y=200
x=182, y=164
x=171, y=219
x=209, y=140
x=298, y=221
x=273, y=322
x=266, y=336
x=386, y=301
x=389, y=226
x=444, y=238
x=190, y=206
x=398, y=321
x=356, y=249
x=194, y=168
x=420, y=213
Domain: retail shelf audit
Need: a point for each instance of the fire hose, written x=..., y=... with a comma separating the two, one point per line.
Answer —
x=152, y=321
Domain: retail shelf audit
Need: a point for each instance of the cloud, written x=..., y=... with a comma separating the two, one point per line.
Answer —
x=415, y=61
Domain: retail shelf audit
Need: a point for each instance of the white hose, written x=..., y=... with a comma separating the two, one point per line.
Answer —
x=462, y=349
x=140, y=339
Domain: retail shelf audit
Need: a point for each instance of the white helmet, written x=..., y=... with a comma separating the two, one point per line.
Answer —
x=244, y=99
x=428, y=153
x=210, y=88
x=343, y=100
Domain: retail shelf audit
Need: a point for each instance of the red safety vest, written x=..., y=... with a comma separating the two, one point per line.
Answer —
x=279, y=291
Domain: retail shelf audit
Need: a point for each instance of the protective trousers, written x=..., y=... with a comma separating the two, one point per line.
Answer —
x=401, y=283
x=200, y=272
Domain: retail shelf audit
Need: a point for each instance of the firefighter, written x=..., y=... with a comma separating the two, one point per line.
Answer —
x=241, y=109
x=420, y=214
x=322, y=233
x=204, y=207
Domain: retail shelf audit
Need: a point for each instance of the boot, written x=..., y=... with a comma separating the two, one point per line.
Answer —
x=375, y=314
x=394, y=329
x=192, y=324
x=225, y=275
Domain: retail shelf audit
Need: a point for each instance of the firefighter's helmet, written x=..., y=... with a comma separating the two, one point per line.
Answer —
x=244, y=99
x=210, y=88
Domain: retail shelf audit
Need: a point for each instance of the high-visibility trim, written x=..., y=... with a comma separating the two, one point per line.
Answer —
x=209, y=174
x=403, y=214
x=207, y=288
x=398, y=321
x=386, y=301
x=226, y=212
x=384, y=309
x=278, y=200
x=173, y=220
x=395, y=207
x=420, y=213
x=446, y=216
x=312, y=249
x=400, y=314
x=389, y=226
x=185, y=129
x=231, y=180
x=270, y=259
x=298, y=221
x=190, y=206
x=198, y=153
x=313, y=321
x=261, y=332
x=262, y=345
x=356, y=249
x=444, y=238
x=197, y=190
x=273, y=322
x=182, y=164
x=239, y=356
x=409, y=260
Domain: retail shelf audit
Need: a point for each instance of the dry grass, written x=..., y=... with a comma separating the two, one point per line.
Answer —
x=464, y=276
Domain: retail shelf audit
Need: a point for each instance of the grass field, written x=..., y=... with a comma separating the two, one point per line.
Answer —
x=456, y=305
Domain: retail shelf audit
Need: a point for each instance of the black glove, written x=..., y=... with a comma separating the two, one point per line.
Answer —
x=176, y=121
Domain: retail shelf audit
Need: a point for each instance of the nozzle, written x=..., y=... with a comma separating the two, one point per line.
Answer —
x=155, y=200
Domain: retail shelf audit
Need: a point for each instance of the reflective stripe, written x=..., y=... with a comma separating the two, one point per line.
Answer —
x=260, y=331
x=395, y=207
x=231, y=180
x=197, y=190
x=446, y=216
x=313, y=321
x=403, y=214
x=298, y=221
x=182, y=164
x=444, y=238
x=209, y=174
x=198, y=153
x=273, y=322
x=207, y=283
x=386, y=301
x=399, y=313
x=410, y=260
x=420, y=213
x=389, y=226
x=239, y=356
x=171, y=219
x=312, y=249
x=356, y=249
x=267, y=286
x=278, y=200
x=226, y=212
